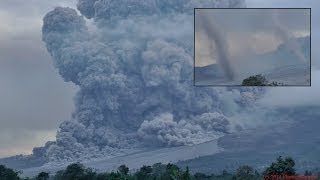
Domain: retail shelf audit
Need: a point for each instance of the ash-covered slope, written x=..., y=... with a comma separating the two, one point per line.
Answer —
x=134, y=71
x=296, y=137
x=138, y=159
x=205, y=73
x=293, y=133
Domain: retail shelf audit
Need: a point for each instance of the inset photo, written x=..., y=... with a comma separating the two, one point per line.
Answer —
x=252, y=47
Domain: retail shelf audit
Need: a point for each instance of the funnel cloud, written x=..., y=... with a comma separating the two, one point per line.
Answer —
x=215, y=34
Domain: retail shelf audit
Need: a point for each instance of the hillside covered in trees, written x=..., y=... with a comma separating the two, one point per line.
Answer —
x=282, y=168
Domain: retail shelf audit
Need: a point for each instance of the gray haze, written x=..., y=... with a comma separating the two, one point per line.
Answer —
x=34, y=100
x=298, y=96
x=249, y=31
x=315, y=14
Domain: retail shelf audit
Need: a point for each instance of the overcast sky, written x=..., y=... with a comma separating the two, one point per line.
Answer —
x=34, y=100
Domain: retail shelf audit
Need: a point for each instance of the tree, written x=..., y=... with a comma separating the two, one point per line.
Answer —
x=174, y=171
x=281, y=167
x=59, y=175
x=245, y=173
x=144, y=173
x=186, y=175
x=43, y=176
x=75, y=171
x=257, y=80
x=114, y=176
x=8, y=174
x=158, y=169
x=168, y=172
x=201, y=176
x=146, y=169
x=123, y=169
x=274, y=83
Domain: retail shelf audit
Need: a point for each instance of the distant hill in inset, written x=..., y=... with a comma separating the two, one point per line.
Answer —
x=281, y=64
x=208, y=72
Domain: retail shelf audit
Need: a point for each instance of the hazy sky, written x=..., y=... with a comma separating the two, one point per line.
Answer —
x=249, y=31
x=34, y=100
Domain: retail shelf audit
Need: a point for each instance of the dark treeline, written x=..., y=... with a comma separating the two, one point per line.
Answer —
x=259, y=80
x=158, y=171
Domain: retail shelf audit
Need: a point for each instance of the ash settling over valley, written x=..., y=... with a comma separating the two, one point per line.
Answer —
x=234, y=44
x=137, y=104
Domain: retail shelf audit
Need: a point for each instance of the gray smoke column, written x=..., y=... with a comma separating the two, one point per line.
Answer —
x=284, y=33
x=215, y=34
x=135, y=78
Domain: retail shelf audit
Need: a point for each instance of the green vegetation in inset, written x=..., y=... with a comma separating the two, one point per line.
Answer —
x=259, y=80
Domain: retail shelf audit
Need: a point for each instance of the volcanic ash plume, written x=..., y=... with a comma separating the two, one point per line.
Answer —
x=284, y=33
x=135, y=78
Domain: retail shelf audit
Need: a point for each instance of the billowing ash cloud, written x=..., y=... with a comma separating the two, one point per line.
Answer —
x=199, y=129
x=135, y=74
x=284, y=33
